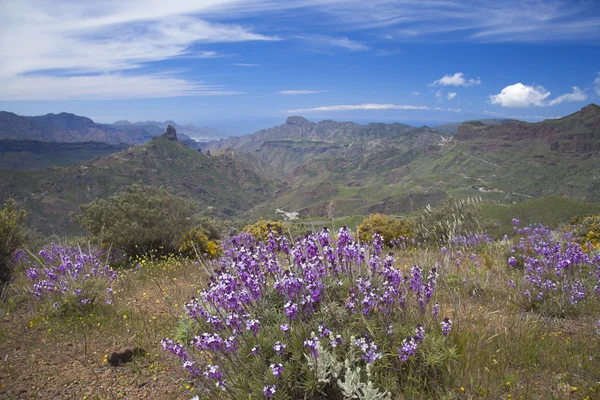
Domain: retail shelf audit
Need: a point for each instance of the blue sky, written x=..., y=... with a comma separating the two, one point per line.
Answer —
x=241, y=65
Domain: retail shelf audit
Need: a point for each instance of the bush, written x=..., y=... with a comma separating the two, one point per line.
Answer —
x=67, y=279
x=12, y=236
x=587, y=231
x=390, y=228
x=324, y=319
x=260, y=229
x=196, y=243
x=139, y=220
x=453, y=217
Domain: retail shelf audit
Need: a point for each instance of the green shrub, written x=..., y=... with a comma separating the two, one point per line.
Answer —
x=12, y=235
x=141, y=219
x=389, y=227
x=454, y=216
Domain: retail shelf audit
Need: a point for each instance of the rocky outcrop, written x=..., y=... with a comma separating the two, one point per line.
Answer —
x=170, y=133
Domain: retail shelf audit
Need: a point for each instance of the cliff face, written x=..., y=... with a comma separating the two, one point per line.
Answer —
x=578, y=133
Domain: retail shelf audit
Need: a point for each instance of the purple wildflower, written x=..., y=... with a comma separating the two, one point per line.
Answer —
x=277, y=370
x=446, y=326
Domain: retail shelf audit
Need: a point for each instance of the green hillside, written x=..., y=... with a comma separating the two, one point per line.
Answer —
x=32, y=154
x=224, y=186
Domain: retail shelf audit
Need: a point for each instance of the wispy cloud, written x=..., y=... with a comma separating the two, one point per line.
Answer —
x=519, y=117
x=300, y=92
x=451, y=95
x=458, y=79
x=106, y=86
x=576, y=95
x=364, y=106
x=525, y=96
x=597, y=84
x=416, y=93
x=472, y=20
x=386, y=52
x=98, y=42
x=325, y=41
x=246, y=65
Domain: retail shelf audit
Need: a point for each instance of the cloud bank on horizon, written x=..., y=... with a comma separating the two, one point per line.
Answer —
x=289, y=55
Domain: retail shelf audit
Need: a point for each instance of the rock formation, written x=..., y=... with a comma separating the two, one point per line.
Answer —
x=170, y=134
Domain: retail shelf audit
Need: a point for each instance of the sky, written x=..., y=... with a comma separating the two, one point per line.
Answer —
x=242, y=65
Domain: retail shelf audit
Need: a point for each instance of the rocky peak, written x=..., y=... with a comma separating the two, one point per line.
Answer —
x=171, y=133
x=298, y=121
x=590, y=109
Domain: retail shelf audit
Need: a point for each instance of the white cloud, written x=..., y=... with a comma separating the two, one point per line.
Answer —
x=458, y=79
x=105, y=86
x=297, y=92
x=470, y=20
x=246, y=65
x=438, y=95
x=576, y=95
x=416, y=93
x=519, y=117
x=451, y=95
x=521, y=96
x=364, y=106
x=597, y=84
x=97, y=42
x=386, y=52
x=332, y=41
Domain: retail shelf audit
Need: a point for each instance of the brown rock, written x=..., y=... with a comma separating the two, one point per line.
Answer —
x=171, y=133
x=124, y=355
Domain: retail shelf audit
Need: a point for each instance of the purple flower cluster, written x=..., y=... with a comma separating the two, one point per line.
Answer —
x=298, y=278
x=446, y=326
x=370, y=351
x=277, y=370
x=61, y=270
x=269, y=391
x=408, y=349
x=551, y=270
x=313, y=345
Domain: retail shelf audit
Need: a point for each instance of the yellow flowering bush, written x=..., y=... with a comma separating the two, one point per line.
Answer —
x=261, y=228
x=196, y=242
x=388, y=226
x=587, y=229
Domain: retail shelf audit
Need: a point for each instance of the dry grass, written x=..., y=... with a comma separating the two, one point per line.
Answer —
x=505, y=353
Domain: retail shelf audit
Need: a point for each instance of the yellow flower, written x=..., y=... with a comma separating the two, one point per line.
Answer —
x=462, y=389
x=574, y=388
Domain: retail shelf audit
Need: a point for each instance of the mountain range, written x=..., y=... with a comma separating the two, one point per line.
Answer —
x=70, y=128
x=328, y=168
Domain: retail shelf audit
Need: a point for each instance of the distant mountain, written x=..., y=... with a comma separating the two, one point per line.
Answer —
x=452, y=127
x=331, y=169
x=335, y=169
x=33, y=154
x=65, y=127
x=190, y=132
x=225, y=186
x=69, y=128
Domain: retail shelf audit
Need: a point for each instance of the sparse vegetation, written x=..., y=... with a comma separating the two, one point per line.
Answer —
x=296, y=299
x=12, y=236
x=142, y=219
